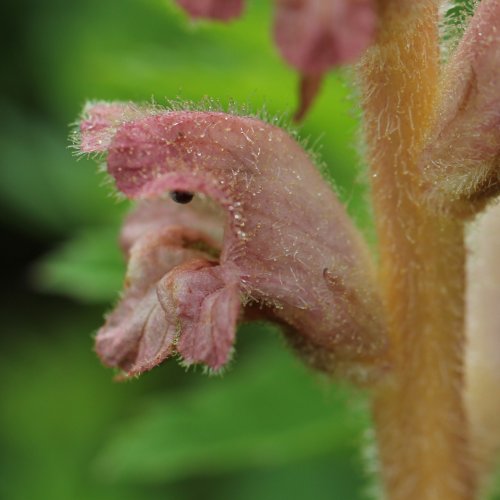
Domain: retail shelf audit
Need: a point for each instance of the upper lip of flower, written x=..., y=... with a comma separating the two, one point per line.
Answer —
x=284, y=229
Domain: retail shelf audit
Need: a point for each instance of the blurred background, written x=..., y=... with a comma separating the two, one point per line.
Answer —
x=269, y=428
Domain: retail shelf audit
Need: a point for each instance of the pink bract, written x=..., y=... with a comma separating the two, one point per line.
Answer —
x=288, y=247
x=222, y=10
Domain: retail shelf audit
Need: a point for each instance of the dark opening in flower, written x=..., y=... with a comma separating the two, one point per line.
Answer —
x=182, y=197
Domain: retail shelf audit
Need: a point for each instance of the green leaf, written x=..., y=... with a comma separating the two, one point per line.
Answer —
x=88, y=267
x=266, y=413
x=336, y=476
x=455, y=20
x=57, y=404
x=43, y=186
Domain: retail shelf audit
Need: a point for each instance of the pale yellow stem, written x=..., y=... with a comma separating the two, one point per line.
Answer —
x=420, y=422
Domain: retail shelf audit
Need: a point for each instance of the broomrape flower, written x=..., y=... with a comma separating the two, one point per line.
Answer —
x=233, y=221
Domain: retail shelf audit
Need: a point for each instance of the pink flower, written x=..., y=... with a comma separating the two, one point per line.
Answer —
x=264, y=234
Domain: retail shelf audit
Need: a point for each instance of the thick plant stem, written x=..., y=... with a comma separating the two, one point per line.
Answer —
x=420, y=422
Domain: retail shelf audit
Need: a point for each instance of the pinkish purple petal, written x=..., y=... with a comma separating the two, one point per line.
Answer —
x=100, y=121
x=222, y=10
x=460, y=163
x=139, y=334
x=316, y=35
x=155, y=215
x=205, y=298
x=288, y=243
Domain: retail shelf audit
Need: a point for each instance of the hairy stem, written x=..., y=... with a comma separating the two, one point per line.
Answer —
x=419, y=416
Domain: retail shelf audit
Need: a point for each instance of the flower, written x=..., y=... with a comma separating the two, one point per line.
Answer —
x=460, y=162
x=264, y=235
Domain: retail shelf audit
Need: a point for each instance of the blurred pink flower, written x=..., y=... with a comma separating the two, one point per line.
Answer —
x=223, y=10
x=316, y=35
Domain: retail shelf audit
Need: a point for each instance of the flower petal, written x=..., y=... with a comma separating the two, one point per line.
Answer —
x=139, y=334
x=205, y=299
x=100, y=121
x=222, y=10
x=156, y=215
x=460, y=163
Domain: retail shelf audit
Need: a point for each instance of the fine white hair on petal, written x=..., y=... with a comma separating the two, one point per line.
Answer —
x=459, y=164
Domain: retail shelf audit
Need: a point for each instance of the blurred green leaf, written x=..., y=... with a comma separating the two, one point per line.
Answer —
x=493, y=489
x=43, y=186
x=266, y=413
x=336, y=476
x=89, y=267
x=58, y=405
